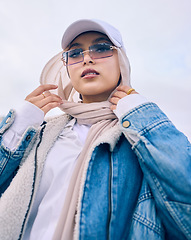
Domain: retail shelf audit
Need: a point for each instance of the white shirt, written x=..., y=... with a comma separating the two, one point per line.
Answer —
x=57, y=172
x=59, y=164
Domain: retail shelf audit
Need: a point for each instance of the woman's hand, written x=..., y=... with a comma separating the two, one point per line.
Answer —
x=43, y=98
x=121, y=92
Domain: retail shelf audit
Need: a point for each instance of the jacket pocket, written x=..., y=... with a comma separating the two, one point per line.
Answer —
x=145, y=220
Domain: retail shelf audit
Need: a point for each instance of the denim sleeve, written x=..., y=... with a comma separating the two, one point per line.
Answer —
x=10, y=160
x=164, y=155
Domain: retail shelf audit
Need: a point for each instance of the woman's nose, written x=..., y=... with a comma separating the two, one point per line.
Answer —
x=88, y=58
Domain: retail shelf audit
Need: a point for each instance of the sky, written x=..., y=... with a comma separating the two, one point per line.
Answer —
x=156, y=35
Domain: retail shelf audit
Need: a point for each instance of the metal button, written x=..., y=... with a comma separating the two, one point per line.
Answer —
x=8, y=119
x=28, y=137
x=126, y=124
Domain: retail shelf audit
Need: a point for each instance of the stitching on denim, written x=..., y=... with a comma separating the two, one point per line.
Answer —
x=145, y=196
x=169, y=207
x=157, y=183
x=4, y=161
x=177, y=218
x=154, y=125
x=148, y=223
x=140, y=107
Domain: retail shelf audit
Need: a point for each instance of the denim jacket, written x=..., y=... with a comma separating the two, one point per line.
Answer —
x=132, y=191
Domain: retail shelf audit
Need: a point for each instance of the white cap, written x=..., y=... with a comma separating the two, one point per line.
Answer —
x=86, y=25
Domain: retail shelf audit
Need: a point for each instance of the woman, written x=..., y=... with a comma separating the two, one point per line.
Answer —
x=112, y=167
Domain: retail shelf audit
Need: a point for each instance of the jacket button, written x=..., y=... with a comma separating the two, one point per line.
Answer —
x=126, y=124
x=8, y=119
x=28, y=137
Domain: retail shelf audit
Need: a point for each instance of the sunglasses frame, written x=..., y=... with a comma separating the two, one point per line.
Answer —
x=64, y=54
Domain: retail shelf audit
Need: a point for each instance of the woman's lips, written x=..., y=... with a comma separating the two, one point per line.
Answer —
x=89, y=73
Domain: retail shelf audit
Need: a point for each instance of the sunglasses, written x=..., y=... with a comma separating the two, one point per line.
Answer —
x=96, y=51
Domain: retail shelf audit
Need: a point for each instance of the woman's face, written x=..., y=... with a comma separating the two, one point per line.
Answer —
x=94, y=79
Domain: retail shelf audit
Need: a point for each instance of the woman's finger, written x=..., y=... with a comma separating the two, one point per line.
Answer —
x=119, y=94
x=113, y=107
x=41, y=89
x=125, y=89
x=46, y=108
x=114, y=100
x=41, y=101
x=50, y=99
x=43, y=98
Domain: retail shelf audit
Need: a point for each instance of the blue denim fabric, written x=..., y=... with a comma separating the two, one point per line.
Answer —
x=133, y=192
x=122, y=204
x=10, y=160
x=164, y=155
x=109, y=200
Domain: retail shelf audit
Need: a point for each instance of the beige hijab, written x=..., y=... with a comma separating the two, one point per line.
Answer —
x=98, y=115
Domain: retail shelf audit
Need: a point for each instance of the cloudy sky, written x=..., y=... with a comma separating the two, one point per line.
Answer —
x=157, y=36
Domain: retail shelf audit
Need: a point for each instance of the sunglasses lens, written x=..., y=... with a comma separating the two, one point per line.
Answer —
x=74, y=56
x=101, y=50
x=97, y=51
